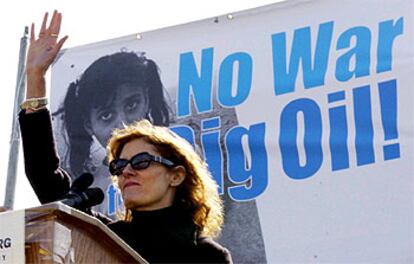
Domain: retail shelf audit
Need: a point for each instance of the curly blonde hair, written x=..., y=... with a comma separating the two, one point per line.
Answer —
x=198, y=191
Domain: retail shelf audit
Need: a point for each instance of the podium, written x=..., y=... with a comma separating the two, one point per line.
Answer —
x=56, y=233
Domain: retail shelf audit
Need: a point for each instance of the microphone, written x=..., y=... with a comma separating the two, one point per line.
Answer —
x=82, y=183
x=83, y=200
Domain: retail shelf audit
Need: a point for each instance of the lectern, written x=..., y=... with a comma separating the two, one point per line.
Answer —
x=56, y=233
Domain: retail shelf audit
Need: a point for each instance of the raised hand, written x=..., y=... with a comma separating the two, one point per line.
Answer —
x=42, y=52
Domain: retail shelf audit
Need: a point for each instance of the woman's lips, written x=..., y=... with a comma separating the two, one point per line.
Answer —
x=129, y=184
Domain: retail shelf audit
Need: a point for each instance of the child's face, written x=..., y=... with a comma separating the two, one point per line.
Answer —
x=130, y=103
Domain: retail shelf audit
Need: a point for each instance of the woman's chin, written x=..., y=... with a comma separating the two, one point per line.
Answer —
x=131, y=202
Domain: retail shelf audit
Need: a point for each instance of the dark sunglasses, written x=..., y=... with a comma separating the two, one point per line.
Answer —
x=138, y=162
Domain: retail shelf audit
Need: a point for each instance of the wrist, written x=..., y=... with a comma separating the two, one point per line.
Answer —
x=35, y=76
x=35, y=86
x=35, y=72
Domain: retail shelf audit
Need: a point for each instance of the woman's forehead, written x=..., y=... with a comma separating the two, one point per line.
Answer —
x=137, y=145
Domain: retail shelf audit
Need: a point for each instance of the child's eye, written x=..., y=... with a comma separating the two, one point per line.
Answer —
x=106, y=116
x=131, y=106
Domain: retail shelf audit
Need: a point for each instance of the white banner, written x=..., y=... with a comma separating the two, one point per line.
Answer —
x=12, y=237
x=302, y=109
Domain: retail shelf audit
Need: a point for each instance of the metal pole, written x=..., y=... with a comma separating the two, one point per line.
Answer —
x=15, y=135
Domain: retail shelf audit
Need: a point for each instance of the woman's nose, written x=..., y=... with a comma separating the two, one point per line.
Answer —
x=128, y=171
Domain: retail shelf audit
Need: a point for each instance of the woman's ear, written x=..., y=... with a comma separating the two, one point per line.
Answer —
x=178, y=174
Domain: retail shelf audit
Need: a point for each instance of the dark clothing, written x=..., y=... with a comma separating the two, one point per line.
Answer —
x=41, y=162
x=169, y=235
x=165, y=235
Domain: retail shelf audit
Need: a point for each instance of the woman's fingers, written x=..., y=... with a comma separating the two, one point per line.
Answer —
x=44, y=25
x=32, y=33
x=48, y=31
x=44, y=49
x=61, y=42
x=54, y=26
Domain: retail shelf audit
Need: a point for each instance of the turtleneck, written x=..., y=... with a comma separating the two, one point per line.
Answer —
x=151, y=232
x=157, y=214
x=172, y=220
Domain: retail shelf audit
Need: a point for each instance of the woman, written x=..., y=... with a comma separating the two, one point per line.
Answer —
x=172, y=203
x=173, y=208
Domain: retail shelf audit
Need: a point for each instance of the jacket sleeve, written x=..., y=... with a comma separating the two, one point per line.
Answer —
x=49, y=181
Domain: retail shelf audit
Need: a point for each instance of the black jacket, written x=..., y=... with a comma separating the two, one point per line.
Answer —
x=169, y=235
x=165, y=235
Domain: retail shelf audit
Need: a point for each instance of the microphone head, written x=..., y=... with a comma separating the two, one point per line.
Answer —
x=93, y=196
x=81, y=183
x=84, y=200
